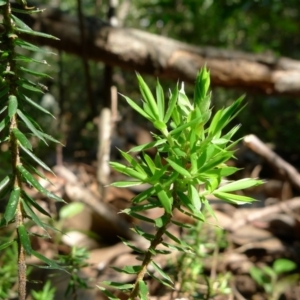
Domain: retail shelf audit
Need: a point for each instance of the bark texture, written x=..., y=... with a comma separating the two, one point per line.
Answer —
x=164, y=57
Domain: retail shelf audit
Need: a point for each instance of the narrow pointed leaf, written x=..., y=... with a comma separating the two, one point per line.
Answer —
x=171, y=104
x=12, y=105
x=194, y=196
x=129, y=171
x=33, y=203
x=160, y=101
x=51, y=263
x=144, y=195
x=118, y=285
x=3, y=123
x=107, y=293
x=24, y=239
x=30, y=126
x=37, y=106
x=37, y=33
x=22, y=138
x=11, y=207
x=34, y=73
x=31, y=180
x=239, y=185
x=164, y=199
x=141, y=217
x=49, y=137
x=130, y=245
x=136, y=107
x=133, y=162
x=184, y=126
x=36, y=159
x=178, y=168
x=143, y=290
x=148, y=96
x=147, y=146
x=125, y=184
x=7, y=244
x=30, y=213
x=162, y=281
x=233, y=198
x=25, y=84
x=161, y=272
x=4, y=183
x=150, y=163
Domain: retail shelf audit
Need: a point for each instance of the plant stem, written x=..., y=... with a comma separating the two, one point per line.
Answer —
x=148, y=255
x=11, y=78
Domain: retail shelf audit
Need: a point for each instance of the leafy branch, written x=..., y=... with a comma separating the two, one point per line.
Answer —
x=18, y=126
x=188, y=166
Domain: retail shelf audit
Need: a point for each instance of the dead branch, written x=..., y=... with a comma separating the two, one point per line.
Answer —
x=164, y=57
x=241, y=219
x=283, y=168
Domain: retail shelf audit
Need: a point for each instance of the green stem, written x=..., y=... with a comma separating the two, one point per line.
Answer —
x=148, y=256
x=11, y=79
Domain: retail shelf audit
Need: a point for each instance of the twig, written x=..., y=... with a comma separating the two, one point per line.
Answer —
x=291, y=204
x=103, y=169
x=284, y=168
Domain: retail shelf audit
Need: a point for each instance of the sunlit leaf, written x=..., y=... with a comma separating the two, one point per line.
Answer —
x=164, y=199
x=4, y=183
x=71, y=210
x=136, y=107
x=148, y=96
x=233, y=198
x=239, y=185
x=283, y=265
x=160, y=101
x=171, y=104
x=124, y=184
x=193, y=194
x=129, y=171
x=143, y=290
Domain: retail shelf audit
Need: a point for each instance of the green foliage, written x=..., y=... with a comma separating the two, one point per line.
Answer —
x=274, y=280
x=47, y=293
x=188, y=166
x=74, y=262
x=18, y=127
x=205, y=242
x=8, y=272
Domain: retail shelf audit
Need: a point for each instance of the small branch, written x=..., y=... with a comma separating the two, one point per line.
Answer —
x=12, y=78
x=288, y=205
x=285, y=169
x=148, y=256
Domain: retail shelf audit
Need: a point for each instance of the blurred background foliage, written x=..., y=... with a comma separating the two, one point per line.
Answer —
x=255, y=26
